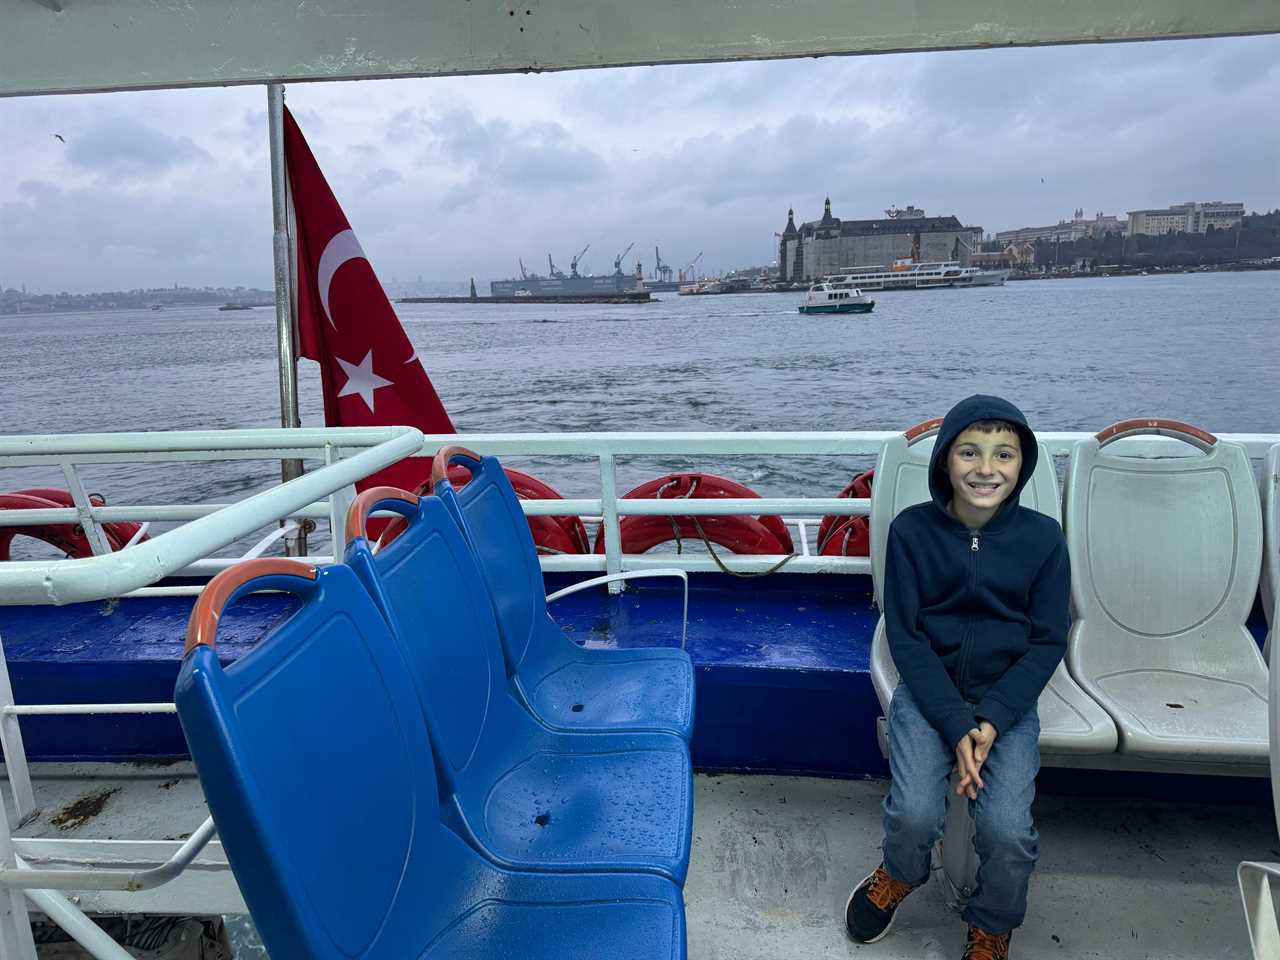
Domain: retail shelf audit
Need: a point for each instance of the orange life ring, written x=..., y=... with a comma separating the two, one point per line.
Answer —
x=747, y=535
x=67, y=537
x=848, y=536
x=550, y=534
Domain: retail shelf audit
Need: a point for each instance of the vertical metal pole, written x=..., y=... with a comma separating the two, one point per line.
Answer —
x=339, y=502
x=295, y=544
x=15, y=754
x=16, y=942
x=609, y=509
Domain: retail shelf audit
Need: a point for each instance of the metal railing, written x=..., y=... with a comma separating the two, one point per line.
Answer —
x=208, y=527
x=349, y=455
x=211, y=527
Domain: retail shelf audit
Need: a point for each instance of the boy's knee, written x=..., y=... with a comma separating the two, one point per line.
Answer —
x=920, y=816
x=1006, y=830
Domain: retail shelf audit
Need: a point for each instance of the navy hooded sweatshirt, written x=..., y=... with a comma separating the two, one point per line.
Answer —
x=976, y=619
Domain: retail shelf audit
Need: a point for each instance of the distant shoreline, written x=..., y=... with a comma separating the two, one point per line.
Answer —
x=1066, y=275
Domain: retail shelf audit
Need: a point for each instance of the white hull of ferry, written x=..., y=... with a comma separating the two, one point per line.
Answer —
x=920, y=276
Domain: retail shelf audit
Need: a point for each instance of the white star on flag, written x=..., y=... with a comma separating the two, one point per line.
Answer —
x=361, y=379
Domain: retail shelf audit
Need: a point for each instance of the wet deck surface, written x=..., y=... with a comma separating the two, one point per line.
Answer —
x=774, y=859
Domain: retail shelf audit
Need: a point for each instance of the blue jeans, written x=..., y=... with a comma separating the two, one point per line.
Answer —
x=915, y=811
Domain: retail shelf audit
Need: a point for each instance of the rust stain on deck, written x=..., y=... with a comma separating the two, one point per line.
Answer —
x=80, y=812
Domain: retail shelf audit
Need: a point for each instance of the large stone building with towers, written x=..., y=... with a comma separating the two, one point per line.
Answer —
x=818, y=248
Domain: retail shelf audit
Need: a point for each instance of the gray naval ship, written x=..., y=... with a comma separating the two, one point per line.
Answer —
x=571, y=284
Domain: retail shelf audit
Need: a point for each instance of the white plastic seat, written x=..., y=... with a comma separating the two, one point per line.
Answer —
x=1165, y=555
x=1070, y=721
x=1271, y=544
x=1260, y=882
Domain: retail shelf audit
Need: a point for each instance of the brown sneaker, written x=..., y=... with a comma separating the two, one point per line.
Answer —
x=869, y=912
x=987, y=946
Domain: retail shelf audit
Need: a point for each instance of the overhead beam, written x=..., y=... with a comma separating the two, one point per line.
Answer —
x=100, y=45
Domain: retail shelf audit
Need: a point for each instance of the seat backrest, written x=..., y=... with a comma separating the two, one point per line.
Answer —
x=1165, y=553
x=1271, y=541
x=489, y=513
x=432, y=594
x=316, y=766
x=902, y=480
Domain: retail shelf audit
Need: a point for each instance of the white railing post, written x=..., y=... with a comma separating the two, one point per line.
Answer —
x=609, y=519
x=16, y=942
x=15, y=754
x=97, y=540
x=339, y=503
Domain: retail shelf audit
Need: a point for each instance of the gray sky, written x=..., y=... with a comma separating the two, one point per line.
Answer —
x=453, y=178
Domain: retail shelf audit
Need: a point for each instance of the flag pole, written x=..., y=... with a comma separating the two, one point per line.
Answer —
x=296, y=544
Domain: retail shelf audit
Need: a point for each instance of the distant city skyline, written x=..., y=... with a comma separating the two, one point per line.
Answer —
x=460, y=177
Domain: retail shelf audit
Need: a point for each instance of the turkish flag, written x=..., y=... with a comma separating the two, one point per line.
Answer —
x=370, y=372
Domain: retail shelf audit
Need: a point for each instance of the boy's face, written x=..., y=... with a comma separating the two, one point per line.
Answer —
x=984, y=468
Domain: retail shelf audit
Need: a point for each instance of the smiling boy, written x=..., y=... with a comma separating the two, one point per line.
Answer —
x=975, y=604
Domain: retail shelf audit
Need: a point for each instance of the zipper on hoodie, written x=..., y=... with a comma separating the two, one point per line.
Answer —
x=966, y=642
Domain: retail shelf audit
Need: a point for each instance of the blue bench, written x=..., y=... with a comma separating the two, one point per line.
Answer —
x=565, y=685
x=317, y=766
x=528, y=796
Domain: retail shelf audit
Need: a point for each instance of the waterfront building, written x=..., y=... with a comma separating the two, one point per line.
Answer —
x=1190, y=217
x=819, y=248
x=1020, y=255
x=1066, y=231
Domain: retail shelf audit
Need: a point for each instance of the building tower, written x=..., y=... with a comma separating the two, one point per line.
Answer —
x=785, y=273
x=827, y=219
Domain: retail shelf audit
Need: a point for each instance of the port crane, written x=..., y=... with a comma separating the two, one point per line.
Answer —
x=573, y=264
x=551, y=267
x=687, y=272
x=524, y=274
x=661, y=271
x=617, y=261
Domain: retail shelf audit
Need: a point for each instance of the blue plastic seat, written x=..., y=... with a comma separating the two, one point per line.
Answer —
x=530, y=797
x=565, y=685
x=318, y=770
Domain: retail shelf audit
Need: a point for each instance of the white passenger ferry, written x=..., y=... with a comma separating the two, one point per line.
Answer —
x=347, y=831
x=907, y=274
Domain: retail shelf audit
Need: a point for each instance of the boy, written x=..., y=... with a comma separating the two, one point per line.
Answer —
x=975, y=604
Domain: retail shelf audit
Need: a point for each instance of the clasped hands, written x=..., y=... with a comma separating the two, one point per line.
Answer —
x=971, y=754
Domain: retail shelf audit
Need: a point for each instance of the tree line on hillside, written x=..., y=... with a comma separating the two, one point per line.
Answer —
x=1256, y=238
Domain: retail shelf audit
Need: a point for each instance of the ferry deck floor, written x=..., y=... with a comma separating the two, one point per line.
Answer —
x=774, y=859
x=782, y=684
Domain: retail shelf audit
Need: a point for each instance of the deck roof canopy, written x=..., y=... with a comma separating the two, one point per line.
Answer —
x=74, y=46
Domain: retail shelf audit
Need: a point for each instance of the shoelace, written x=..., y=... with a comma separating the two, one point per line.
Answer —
x=886, y=892
x=986, y=946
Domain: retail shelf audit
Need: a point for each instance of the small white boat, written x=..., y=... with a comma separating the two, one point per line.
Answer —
x=835, y=295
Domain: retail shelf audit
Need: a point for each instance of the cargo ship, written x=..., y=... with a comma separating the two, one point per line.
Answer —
x=560, y=284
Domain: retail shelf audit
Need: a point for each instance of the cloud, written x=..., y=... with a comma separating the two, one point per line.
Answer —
x=458, y=177
x=127, y=147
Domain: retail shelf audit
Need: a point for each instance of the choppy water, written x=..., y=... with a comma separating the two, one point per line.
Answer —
x=1074, y=354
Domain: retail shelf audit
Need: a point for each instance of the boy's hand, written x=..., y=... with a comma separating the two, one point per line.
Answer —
x=979, y=741
x=983, y=737
x=967, y=766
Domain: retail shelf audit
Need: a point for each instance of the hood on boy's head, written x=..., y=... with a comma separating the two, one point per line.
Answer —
x=969, y=411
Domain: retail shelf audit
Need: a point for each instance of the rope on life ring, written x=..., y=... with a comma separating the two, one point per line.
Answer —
x=765, y=535
x=848, y=536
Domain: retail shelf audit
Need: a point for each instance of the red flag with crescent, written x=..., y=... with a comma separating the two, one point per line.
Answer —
x=370, y=372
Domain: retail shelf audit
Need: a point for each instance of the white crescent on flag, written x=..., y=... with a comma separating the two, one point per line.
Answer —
x=342, y=247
